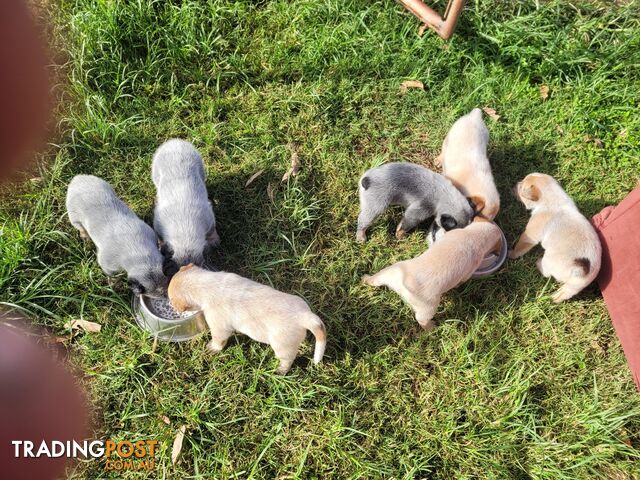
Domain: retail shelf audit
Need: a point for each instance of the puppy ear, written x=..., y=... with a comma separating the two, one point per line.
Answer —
x=448, y=222
x=477, y=203
x=169, y=268
x=166, y=250
x=186, y=267
x=531, y=193
x=136, y=287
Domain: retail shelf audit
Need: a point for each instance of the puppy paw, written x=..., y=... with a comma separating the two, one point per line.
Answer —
x=428, y=326
x=561, y=295
x=400, y=233
x=361, y=236
x=214, y=347
x=213, y=239
x=512, y=254
x=368, y=280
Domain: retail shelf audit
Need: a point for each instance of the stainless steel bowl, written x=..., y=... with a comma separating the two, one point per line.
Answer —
x=167, y=329
x=492, y=263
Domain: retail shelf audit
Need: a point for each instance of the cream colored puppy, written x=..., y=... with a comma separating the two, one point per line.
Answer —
x=231, y=304
x=464, y=162
x=449, y=262
x=572, y=250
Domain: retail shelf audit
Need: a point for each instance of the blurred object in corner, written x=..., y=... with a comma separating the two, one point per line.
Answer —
x=24, y=87
x=40, y=400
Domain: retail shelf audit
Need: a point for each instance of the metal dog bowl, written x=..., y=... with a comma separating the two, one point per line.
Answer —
x=167, y=329
x=489, y=265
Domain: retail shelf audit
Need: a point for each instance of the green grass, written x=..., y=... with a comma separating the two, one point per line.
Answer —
x=508, y=386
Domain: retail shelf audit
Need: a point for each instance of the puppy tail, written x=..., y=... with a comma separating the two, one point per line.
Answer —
x=581, y=267
x=313, y=323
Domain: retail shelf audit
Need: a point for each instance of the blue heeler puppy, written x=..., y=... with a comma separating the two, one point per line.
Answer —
x=183, y=216
x=123, y=241
x=425, y=195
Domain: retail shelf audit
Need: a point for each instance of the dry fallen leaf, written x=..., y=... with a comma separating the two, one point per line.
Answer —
x=36, y=180
x=270, y=193
x=177, y=444
x=407, y=84
x=253, y=177
x=559, y=129
x=596, y=141
x=623, y=133
x=491, y=112
x=544, y=92
x=295, y=164
x=597, y=347
x=165, y=419
x=422, y=29
x=87, y=326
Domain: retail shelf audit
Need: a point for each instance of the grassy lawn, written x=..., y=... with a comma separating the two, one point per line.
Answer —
x=508, y=386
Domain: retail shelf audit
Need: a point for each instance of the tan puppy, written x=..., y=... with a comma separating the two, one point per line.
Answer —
x=572, y=251
x=464, y=162
x=231, y=304
x=449, y=262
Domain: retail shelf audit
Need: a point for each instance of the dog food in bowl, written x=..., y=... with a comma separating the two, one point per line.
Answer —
x=163, y=308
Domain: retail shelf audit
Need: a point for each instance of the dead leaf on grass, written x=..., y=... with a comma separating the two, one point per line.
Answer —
x=87, y=326
x=597, y=142
x=177, y=444
x=407, y=84
x=270, y=192
x=165, y=419
x=491, y=112
x=544, y=92
x=253, y=177
x=422, y=29
x=295, y=164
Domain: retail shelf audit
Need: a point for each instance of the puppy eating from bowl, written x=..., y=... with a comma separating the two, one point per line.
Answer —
x=449, y=262
x=231, y=303
x=572, y=250
x=123, y=241
x=425, y=195
x=464, y=162
x=183, y=216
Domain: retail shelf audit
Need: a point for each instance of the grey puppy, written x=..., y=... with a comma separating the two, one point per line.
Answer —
x=424, y=195
x=183, y=216
x=124, y=242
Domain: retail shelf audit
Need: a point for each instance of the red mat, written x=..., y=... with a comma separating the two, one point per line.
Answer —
x=619, y=279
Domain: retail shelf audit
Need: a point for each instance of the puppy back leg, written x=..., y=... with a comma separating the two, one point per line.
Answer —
x=542, y=266
x=425, y=311
x=370, y=209
x=286, y=350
